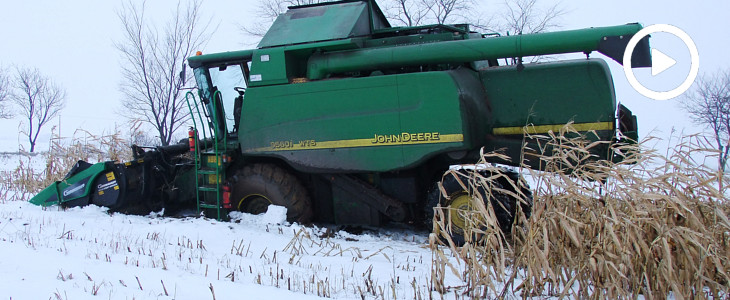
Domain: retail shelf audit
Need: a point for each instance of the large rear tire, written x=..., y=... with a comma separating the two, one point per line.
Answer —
x=504, y=205
x=257, y=186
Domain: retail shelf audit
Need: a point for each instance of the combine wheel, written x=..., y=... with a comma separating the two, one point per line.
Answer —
x=507, y=182
x=257, y=186
x=505, y=205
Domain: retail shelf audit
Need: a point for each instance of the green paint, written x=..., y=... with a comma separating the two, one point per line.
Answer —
x=283, y=117
x=316, y=23
x=322, y=84
x=551, y=93
x=71, y=188
x=333, y=88
x=468, y=50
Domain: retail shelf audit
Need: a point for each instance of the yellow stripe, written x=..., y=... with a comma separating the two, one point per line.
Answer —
x=443, y=138
x=554, y=128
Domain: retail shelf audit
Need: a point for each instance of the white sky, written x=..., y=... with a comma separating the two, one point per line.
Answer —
x=72, y=42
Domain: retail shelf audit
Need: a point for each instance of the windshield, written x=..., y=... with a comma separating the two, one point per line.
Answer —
x=225, y=80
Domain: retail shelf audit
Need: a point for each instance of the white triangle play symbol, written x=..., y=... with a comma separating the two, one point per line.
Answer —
x=660, y=62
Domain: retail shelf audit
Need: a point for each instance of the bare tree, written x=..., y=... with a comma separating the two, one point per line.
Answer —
x=406, y=12
x=38, y=98
x=516, y=17
x=709, y=105
x=527, y=16
x=444, y=11
x=421, y=12
x=400, y=12
x=153, y=57
x=4, y=92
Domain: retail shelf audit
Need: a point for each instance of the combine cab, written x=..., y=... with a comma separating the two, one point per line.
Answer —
x=344, y=119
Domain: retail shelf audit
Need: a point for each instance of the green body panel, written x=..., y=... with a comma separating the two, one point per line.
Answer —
x=48, y=196
x=551, y=93
x=547, y=96
x=270, y=66
x=299, y=122
x=316, y=23
x=340, y=125
x=76, y=186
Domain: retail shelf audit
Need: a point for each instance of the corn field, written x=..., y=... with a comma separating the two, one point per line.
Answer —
x=652, y=225
x=27, y=179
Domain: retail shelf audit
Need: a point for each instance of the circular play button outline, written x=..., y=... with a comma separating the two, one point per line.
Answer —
x=693, y=53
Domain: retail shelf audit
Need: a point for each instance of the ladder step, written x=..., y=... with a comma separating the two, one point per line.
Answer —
x=205, y=205
x=208, y=189
x=208, y=171
x=210, y=160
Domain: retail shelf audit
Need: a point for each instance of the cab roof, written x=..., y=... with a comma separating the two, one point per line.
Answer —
x=324, y=22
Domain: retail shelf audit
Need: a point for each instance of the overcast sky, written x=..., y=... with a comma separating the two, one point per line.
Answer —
x=72, y=42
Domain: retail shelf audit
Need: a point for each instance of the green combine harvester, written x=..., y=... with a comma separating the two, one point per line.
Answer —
x=343, y=119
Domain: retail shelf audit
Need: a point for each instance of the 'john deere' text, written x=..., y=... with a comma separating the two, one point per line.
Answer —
x=405, y=138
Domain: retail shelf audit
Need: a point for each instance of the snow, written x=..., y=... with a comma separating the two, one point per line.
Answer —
x=82, y=252
x=87, y=253
x=274, y=215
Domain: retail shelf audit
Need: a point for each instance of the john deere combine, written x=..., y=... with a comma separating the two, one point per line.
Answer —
x=344, y=119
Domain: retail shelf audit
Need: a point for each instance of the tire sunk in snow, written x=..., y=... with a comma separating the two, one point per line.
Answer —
x=460, y=197
x=257, y=186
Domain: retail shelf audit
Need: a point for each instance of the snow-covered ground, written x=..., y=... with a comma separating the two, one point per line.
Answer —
x=82, y=252
x=86, y=253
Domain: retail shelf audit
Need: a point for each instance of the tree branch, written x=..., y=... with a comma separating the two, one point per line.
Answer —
x=153, y=57
x=39, y=99
x=709, y=105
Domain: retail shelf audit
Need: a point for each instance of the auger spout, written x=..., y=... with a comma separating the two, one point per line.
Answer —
x=610, y=41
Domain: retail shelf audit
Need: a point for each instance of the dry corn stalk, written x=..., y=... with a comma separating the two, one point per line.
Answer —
x=650, y=225
x=27, y=180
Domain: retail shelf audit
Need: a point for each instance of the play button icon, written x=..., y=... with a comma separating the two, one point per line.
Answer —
x=660, y=62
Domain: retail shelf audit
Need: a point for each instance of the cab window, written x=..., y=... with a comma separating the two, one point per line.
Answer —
x=229, y=81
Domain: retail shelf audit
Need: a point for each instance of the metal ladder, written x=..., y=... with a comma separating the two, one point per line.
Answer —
x=210, y=162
